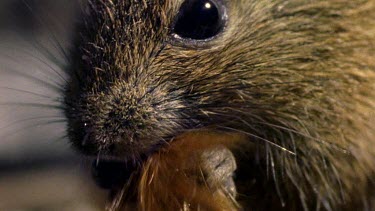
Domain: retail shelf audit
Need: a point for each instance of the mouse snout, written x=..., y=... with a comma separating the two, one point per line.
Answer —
x=127, y=117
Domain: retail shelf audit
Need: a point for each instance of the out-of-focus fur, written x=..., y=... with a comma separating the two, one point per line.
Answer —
x=296, y=77
x=174, y=179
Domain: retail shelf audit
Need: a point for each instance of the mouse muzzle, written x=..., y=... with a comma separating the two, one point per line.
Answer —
x=126, y=119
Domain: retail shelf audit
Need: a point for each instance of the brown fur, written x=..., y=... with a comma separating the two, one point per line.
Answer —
x=296, y=77
x=172, y=179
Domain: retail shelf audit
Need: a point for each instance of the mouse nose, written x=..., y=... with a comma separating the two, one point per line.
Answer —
x=127, y=117
x=123, y=117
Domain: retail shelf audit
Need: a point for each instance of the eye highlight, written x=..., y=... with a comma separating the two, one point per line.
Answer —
x=200, y=19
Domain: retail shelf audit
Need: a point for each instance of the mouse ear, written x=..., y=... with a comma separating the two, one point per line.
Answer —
x=111, y=174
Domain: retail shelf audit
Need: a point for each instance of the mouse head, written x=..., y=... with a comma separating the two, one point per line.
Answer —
x=136, y=72
x=145, y=71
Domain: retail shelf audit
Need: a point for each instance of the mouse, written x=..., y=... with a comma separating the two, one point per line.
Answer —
x=226, y=104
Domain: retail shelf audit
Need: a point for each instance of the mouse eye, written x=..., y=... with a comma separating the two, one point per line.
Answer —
x=200, y=19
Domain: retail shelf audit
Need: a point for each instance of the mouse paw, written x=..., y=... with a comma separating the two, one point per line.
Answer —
x=218, y=167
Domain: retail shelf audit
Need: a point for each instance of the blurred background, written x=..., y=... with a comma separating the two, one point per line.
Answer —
x=38, y=168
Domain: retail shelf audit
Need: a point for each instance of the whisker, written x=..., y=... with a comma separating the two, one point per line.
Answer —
x=260, y=138
x=59, y=88
x=57, y=99
x=164, y=141
x=35, y=105
x=337, y=178
x=331, y=145
x=177, y=118
x=55, y=41
x=32, y=119
x=275, y=178
x=48, y=54
x=210, y=106
x=61, y=138
x=34, y=125
x=343, y=150
x=259, y=121
x=34, y=57
x=98, y=157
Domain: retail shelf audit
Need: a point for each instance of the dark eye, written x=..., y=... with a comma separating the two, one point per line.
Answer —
x=200, y=19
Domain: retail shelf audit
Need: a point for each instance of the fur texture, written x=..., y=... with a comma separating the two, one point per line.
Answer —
x=296, y=77
x=174, y=178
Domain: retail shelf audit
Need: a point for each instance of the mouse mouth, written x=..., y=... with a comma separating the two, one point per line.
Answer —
x=124, y=146
x=137, y=152
x=131, y=151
